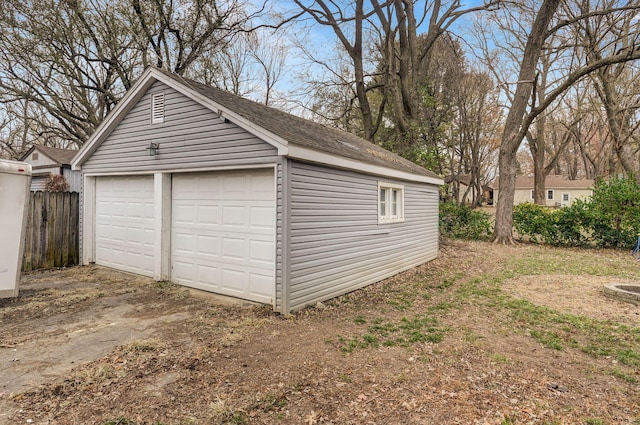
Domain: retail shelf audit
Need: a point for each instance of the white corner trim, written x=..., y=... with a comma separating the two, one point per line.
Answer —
x=88, y=220
x=306, y=154
x=162, y=226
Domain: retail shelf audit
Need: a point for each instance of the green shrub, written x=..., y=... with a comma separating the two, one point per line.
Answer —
x=573, y=225
x=609, y=219
x=533, y=221
x=615, y=212
x=460, y=221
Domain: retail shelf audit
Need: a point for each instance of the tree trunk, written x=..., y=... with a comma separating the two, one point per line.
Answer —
x=513, y=131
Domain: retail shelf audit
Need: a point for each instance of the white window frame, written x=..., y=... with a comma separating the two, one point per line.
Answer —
x=552, y=193
x=386, y=204
x=567, y=195
x=157, y=107
x=533, y=194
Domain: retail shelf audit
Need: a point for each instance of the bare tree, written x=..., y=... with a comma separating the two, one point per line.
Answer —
x=522, y=113
x=615, y=84
x=74, y=59
x=340, y=20
x=515, y=122
x=472, y=145
x=400, y=71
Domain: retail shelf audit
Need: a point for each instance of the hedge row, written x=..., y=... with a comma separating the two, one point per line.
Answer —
x=608, y=219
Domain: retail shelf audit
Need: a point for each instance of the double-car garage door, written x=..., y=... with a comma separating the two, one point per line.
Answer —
x=222, y=229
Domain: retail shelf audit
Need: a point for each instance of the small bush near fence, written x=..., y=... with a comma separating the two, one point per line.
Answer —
x=463, y=222
x=609, y=219
x=51, y=232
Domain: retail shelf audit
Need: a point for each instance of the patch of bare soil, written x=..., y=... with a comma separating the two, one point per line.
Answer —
x=192, y=358
x=579, y=295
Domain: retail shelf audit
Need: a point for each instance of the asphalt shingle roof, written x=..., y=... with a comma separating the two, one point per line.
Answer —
x=305, y=133
x=61, y=156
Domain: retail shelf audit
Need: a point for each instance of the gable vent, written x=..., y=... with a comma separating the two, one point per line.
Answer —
x=157, y=108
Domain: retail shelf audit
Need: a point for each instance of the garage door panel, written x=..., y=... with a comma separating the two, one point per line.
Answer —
x=261, y=218
x=261, y=189
x=233, y=216
x=261, y=252
x=261, y=284
x=234, y=280
x=125, y=223
x=235, y=185
x=207, y=275
x=208, y=245
x=208, y=215
x=233, y=220
x=233, y=249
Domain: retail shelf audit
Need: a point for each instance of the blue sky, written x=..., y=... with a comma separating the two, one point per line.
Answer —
x=321, y=41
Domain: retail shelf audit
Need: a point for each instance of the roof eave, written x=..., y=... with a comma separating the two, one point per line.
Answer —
x=311, y=155
x=284, y=148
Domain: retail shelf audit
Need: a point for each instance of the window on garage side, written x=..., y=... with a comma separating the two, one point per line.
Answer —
x=550, y=195
x=157, y=108
x=390, y=203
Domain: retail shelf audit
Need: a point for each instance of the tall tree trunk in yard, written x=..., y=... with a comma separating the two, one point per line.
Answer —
x=513, y=131
x=538, y=152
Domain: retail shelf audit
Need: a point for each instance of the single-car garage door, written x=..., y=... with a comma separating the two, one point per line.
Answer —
x=125, y=224
x=223, y=232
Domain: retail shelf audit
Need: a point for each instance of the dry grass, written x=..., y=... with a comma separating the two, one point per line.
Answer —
x=483, y=335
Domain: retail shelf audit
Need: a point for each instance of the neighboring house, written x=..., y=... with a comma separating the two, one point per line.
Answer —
x=45, y=160
x=463, y=181
x=559, y=191
x=188, y=183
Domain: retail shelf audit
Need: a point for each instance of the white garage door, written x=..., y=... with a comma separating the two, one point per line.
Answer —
x=223, y=232
x=124, y=223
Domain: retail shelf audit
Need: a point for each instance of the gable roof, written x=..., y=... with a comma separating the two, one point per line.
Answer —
x=60, y=156
x=552, y=182
x=464, y=179
x=293, y=136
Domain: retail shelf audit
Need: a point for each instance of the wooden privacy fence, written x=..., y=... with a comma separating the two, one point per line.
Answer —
x=51, y=233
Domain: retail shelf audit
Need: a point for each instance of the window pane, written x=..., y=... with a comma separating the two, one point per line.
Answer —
x=550, y=194
x=394, y=202
x=383, y=202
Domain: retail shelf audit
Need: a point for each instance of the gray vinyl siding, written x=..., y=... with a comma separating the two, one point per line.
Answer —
x=191, y=136
x=74, y=179
x=338, y=246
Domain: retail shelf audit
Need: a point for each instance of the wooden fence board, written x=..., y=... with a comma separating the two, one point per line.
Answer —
x=51, y=234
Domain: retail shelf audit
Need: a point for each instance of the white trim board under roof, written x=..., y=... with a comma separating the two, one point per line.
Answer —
x=292, y=136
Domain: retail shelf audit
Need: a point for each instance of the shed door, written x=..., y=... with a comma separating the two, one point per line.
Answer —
x=223, y=232
x=125, y=223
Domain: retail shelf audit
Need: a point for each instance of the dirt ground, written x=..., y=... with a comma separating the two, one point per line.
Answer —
x=89, y=345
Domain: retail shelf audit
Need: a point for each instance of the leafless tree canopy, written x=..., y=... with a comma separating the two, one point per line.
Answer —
x=64, y=64
x=469, y=91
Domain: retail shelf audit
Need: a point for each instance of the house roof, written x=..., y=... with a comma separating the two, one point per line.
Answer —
x=294, y=137
x=551, y=182
x=464, y=179
x=60, y=156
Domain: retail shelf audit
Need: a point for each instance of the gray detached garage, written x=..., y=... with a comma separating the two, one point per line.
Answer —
x=188, y=183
